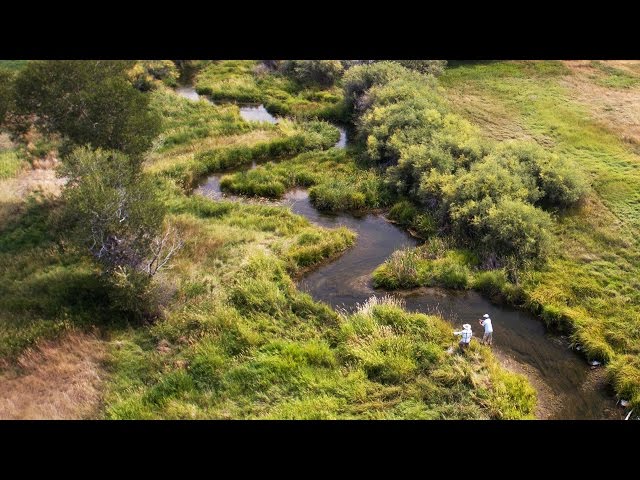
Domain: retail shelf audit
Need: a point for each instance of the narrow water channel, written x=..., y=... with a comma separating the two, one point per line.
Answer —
x=567, y=387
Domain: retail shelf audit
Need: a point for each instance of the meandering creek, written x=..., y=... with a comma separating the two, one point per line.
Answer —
x=567, y=387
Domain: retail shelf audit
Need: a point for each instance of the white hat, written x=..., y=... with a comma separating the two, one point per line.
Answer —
x=466, y=326
x=486, y=315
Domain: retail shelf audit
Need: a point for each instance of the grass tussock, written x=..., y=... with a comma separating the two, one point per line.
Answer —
x=11, y=163
x=431, y=264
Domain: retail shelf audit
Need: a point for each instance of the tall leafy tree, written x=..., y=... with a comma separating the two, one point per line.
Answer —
x=86, y=102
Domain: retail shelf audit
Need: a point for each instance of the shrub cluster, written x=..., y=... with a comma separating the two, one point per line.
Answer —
x=494, y=198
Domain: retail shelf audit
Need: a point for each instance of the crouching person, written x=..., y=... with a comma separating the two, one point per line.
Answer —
x=465, y=336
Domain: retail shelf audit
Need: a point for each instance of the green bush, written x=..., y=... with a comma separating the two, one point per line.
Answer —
x=560, y=182
x=485, y=194
x=360, y=78
x=512, y=227
x=6, y=91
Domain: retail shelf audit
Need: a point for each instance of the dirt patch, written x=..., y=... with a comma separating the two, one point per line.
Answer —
x=59, y=379
x=616, y=109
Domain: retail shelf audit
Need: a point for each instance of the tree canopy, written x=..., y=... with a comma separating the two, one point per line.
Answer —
x=87, y=102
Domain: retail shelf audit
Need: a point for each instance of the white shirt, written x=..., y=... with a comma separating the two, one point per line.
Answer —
x=466, y=335
x=487, y=325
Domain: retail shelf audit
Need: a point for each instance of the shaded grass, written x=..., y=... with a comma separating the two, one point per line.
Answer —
x=44, y=289
x=13, y=64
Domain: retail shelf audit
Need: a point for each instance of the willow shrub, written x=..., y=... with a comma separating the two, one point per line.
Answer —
x=491, y=196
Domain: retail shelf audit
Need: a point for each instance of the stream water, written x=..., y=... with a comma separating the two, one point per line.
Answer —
x=567, y=387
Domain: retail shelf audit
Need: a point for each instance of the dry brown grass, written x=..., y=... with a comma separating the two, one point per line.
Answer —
x=36, y=179
x=5, y=141
x=495, y=120
x=616, y=109
x=60, y=379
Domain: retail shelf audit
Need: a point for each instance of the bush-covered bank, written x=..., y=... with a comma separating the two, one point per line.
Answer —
x=492, y=198
x=576, y=110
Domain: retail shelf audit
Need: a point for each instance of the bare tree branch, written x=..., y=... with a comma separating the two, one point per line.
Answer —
x=163, y=248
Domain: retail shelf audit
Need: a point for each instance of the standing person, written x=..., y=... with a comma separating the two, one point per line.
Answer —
x=487, y=338
x=465, y=335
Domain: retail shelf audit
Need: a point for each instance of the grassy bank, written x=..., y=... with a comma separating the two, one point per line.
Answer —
x=290, y=358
